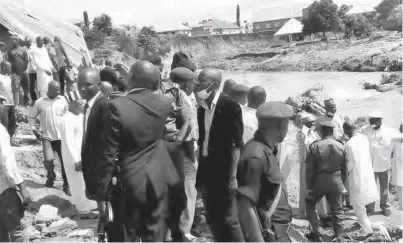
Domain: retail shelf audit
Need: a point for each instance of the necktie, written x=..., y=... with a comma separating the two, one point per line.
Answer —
x=85, y=118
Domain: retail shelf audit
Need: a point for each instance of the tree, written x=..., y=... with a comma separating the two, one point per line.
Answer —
x=238, y=16
x=386, y=7
x=394, y=21
x=322, y=17
x=149, y=42
x=103, y=24
x=343, y=10
x=358, y=26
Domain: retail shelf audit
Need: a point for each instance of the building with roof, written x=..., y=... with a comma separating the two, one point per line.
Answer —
x=215, y=27
x=173, y=29
x=291, y=30
x=361, y=9
x=18, y=20
x=273, y=18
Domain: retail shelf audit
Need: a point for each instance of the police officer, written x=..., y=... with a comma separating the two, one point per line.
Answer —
x=325, y=173
x=259, y=176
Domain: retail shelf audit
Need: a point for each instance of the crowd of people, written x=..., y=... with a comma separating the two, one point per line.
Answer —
x=136, y=149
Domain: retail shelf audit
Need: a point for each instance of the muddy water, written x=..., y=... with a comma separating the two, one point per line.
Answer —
x=344, y=87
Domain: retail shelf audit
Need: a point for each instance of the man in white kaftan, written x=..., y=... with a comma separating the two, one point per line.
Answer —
x=361, y=179
x=71, y=137
x=43, y=66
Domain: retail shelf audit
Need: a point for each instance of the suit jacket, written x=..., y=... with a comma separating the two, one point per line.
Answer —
x=225, y=134
x=90, y=149
x=132, y=137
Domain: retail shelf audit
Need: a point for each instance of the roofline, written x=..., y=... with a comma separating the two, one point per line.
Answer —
x=258, y=22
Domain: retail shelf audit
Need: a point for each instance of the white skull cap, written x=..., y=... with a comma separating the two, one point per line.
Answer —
x=375, y=114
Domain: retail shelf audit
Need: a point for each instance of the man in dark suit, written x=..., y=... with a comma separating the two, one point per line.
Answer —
x=94, y=121
x=220, y=141
x=132, y=140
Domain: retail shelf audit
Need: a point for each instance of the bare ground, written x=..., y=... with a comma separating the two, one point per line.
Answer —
x=381, y=52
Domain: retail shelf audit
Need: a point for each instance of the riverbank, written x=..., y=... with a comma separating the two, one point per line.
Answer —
x=381, y=52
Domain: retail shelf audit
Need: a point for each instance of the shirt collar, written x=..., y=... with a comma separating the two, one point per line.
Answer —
x=92, y=100
x=136, y=89
x=56, y=98
x=213, y=103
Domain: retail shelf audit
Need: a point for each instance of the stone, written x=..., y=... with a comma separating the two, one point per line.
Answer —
x=81, y=233
x=33, y=233
x=46, y=213
x=40, y=227
x=58, y=226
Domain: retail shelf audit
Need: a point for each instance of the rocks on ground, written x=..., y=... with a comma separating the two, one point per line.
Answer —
x=388, y=82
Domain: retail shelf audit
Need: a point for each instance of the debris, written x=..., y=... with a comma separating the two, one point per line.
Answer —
x=46, y=213
x=33, y=233
x=82, y=233
x=58, y=226
x=385, y=87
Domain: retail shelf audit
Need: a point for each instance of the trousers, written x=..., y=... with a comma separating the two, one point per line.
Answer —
x=383, y=179
x=49, y=150
x=331, y=187
x=11, y=213
x=362, y=217
x=32, y=86
x=62, y=79
x=187, y=217
x=148, y=221
x=18, y=81
x=177, y=194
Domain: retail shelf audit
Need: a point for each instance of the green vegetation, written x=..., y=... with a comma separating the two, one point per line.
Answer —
x=105, y=41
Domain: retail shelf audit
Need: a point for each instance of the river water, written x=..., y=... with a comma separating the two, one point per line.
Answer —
x=344, y=87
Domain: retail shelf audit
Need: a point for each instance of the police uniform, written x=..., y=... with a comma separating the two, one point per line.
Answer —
x=259, y=176
x=326, y=166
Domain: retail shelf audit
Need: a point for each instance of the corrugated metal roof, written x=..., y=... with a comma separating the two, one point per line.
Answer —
x=25, y=23
x=276, y=13
x=292, y=26
x=217, y=24
x=168, y=27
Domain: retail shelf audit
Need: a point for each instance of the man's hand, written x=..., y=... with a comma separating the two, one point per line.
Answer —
x=48, y=73
x=78, y=166
x=233, y=184
x=26, y=198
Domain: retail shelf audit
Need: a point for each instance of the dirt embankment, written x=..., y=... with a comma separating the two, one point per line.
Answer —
x=69, y=226
x=381, y=52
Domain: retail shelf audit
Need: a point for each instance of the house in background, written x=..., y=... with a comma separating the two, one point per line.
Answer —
x=361, y=9
x=174, y=29
x=272, y=19
x=15, y=19
x=215, y=27
x=291, y=31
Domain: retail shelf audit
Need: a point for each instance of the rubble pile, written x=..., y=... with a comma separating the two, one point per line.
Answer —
x=388, y=82
x=310, y=101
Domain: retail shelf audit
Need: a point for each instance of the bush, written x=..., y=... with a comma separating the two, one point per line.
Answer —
x=357, y=26
x=149, y=42
x=93, y=38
